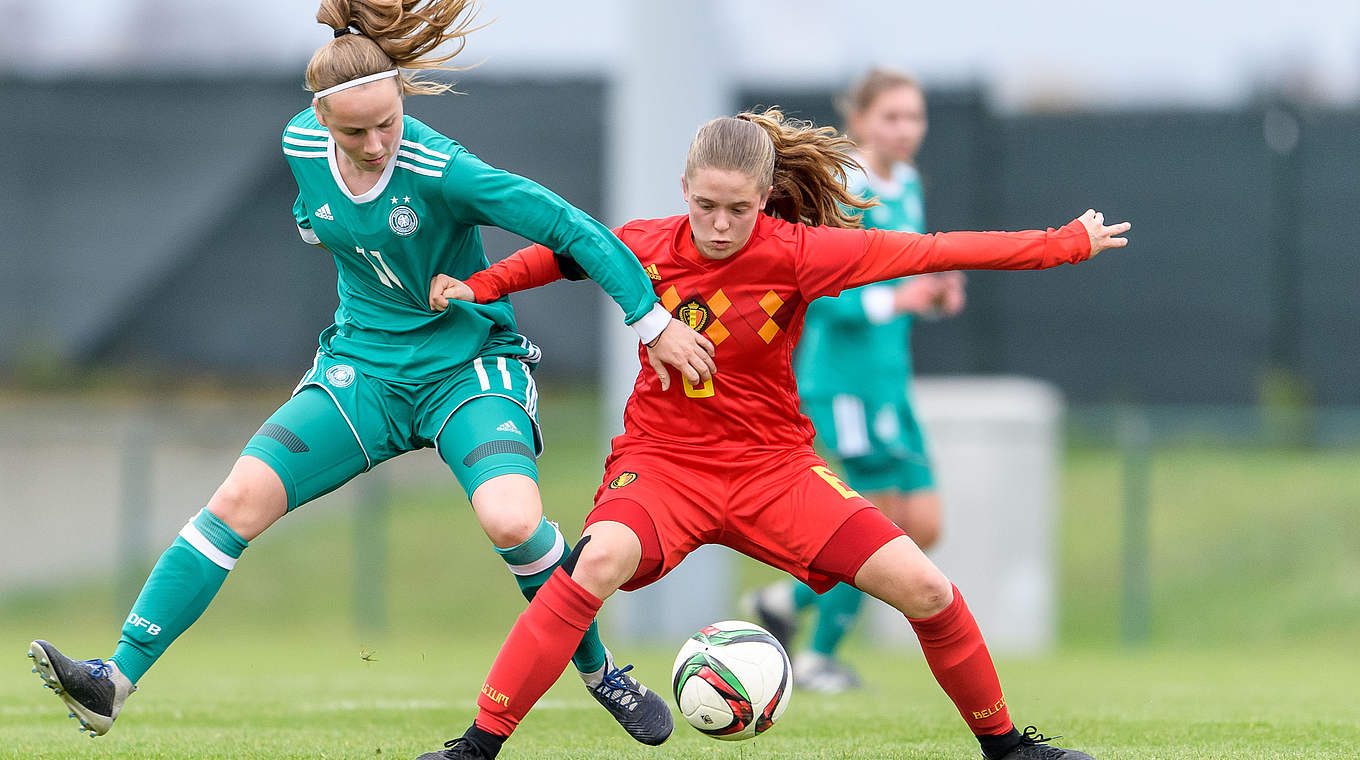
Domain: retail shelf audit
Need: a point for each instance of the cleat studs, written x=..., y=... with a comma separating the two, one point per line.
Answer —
x=35, y=670
x=71, y=715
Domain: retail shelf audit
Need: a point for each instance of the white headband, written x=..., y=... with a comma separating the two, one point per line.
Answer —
x=356, y=82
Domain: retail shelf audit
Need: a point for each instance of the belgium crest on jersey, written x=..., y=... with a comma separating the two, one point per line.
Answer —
x=694, y=314
x=623, y=479
x=403, y=220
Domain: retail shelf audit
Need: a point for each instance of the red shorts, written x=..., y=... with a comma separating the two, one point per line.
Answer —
x=785, y=508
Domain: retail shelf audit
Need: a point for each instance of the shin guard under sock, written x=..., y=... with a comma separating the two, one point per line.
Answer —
x=183, y=582
x=535, y=652
x=958, y=657
x=532, y=562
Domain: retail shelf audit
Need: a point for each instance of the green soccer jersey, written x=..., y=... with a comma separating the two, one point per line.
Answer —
x=854, y=343
x=421, y=219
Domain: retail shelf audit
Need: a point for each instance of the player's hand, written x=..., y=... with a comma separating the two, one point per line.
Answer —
x=1103, y=237
x=444, y=288
x=951, y=299
x=684, y=349
x=916, y=295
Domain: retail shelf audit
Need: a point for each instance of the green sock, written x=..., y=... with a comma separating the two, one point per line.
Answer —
x=533, y=562
x=837, y=611
x=803, y=597
x=183, y=582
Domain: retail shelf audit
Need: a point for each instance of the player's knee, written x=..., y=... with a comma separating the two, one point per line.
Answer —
x=930, y=592
x=601, y=568
x=249, y=500
x=511, y=526
x=508, y=508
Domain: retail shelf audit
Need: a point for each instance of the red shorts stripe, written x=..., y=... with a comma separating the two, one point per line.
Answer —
x=852, y=544
x=632, y=514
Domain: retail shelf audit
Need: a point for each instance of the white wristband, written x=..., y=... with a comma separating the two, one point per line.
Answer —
x=651, y=325
x=878, y=304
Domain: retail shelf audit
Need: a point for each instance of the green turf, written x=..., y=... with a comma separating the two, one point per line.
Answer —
x=1255, y=616
x=247, y=697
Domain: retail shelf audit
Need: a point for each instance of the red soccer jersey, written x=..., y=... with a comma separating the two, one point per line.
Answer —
x=751, y=306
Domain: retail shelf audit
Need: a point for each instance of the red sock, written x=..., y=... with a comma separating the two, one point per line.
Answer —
x=958, y=657
x=535, y=653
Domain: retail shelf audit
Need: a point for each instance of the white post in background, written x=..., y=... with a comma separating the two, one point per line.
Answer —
x=995, y=446
x=669, y=79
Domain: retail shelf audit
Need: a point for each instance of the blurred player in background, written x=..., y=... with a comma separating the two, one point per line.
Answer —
x=395, y=202
x=770, y=229
x=854, y=373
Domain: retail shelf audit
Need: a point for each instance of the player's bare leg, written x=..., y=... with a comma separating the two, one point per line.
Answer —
x=901, y=575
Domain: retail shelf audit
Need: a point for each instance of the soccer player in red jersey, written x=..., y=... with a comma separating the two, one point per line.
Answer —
x=730, y=461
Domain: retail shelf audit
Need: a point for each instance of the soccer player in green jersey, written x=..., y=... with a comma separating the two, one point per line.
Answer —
x=854, y=372
x=394, y=202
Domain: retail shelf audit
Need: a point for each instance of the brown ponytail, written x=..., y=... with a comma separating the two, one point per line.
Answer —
x=806, y=165
x=393, y=34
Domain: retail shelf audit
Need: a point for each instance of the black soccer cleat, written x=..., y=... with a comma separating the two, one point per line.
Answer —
x=93, y=690
x=456, y=749
x=772, y=608
x=1034, y=746
x=641, y=711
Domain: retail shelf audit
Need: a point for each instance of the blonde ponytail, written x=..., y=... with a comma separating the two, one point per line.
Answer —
x=805, y=165
x=392, y=34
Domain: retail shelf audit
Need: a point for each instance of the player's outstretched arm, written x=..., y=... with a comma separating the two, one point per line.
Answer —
x=886, y=255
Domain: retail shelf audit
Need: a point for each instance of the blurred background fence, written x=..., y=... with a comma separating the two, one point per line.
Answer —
x=164, y=244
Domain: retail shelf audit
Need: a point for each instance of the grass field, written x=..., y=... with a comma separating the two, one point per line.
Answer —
x=1254, y=626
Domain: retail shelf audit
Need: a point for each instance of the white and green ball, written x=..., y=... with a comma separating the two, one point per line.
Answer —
x=732, y=680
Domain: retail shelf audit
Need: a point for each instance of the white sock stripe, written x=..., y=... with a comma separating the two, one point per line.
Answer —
x=205, y=547
x=546, y=561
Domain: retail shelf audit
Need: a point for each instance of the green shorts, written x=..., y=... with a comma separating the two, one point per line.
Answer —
x=482, y=419
x=879, y=443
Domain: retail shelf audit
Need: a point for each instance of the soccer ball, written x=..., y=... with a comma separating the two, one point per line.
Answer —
x=732, y=680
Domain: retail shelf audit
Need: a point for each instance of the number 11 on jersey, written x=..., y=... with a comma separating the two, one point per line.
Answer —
x=385, y=274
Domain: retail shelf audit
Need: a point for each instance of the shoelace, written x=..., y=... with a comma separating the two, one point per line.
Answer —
x=615, y=681
x=98, y=668
x=1031, y=735
x=454, y=744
